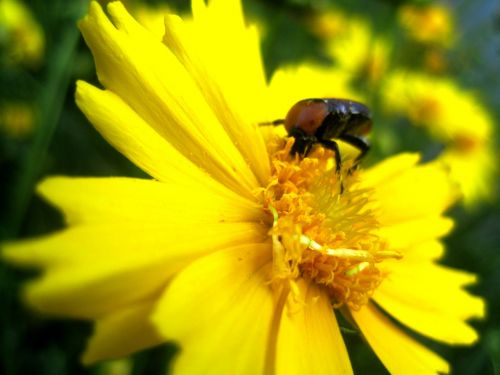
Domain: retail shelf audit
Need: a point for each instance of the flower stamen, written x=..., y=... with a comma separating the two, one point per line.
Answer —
x=350, y=253
x=320, y=232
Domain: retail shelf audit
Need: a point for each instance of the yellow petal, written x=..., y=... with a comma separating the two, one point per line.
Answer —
x=399, y=353
x=234, y=97
x=149, y=78
x=430, y=299
x=92, y=270
x=408, y=233
x=121, y=333
x=389, y=168
x=103, y=200
x=242, y=68
x=309, y=340
x=421, y=252
x=125, y=130
x=415, y=193
x=152, y=17
x=219, y=309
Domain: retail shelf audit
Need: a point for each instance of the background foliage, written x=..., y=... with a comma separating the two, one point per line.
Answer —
x=53, y=137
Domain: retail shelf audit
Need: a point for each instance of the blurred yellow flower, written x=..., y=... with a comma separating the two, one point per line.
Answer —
x=474, y=169
x=455, y=117
x=359, y=51
x=21, y=37
x=123, y=366
x=435, y=60
x=236, y=250
x=428, y=24
x=329, y=24
x=17, y=119
x=353, y=45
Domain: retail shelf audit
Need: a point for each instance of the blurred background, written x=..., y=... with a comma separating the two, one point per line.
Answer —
x=429, y=70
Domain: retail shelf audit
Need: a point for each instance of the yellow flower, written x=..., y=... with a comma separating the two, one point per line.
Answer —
x=435, y=60
x=17, y=119
x=453, y=116
x=20, y=35
x=474, y=168
x=329, y=23
x=431, y=24
x=353, y=45
x=236, y=250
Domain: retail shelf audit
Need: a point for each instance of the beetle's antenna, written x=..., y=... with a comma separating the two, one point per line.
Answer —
x=273, y=123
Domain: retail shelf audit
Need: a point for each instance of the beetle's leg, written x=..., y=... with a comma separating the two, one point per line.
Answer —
x=332, y=145
x=303, y=142
x=360, y=143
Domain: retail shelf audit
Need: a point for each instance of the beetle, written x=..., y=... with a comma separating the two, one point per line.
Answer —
x=313, y=121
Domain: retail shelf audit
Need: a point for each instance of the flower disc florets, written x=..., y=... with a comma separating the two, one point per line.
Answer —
x=323, y=226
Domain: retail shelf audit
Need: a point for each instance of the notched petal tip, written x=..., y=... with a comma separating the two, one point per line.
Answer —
x=95, y=12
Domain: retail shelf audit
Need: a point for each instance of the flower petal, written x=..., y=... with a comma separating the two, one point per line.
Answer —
x=125, y=130
x=418, y=192
x=93, y=270
x=409, y=233
x=399, y=353
x=121, y=333
x=158, y=88
x=421, y=252
x=224, y=21
x=389, y=168
x=101, y=200
x=309, y=340
x=219, y=309
x=220, y=80
x=429, y=299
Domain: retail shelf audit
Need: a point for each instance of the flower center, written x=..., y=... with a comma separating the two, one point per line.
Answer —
x=323, y=232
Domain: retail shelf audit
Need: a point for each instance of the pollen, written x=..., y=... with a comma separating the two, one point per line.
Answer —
x=324, y=226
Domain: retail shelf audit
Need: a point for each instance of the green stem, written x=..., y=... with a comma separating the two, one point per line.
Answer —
x=51, y=103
